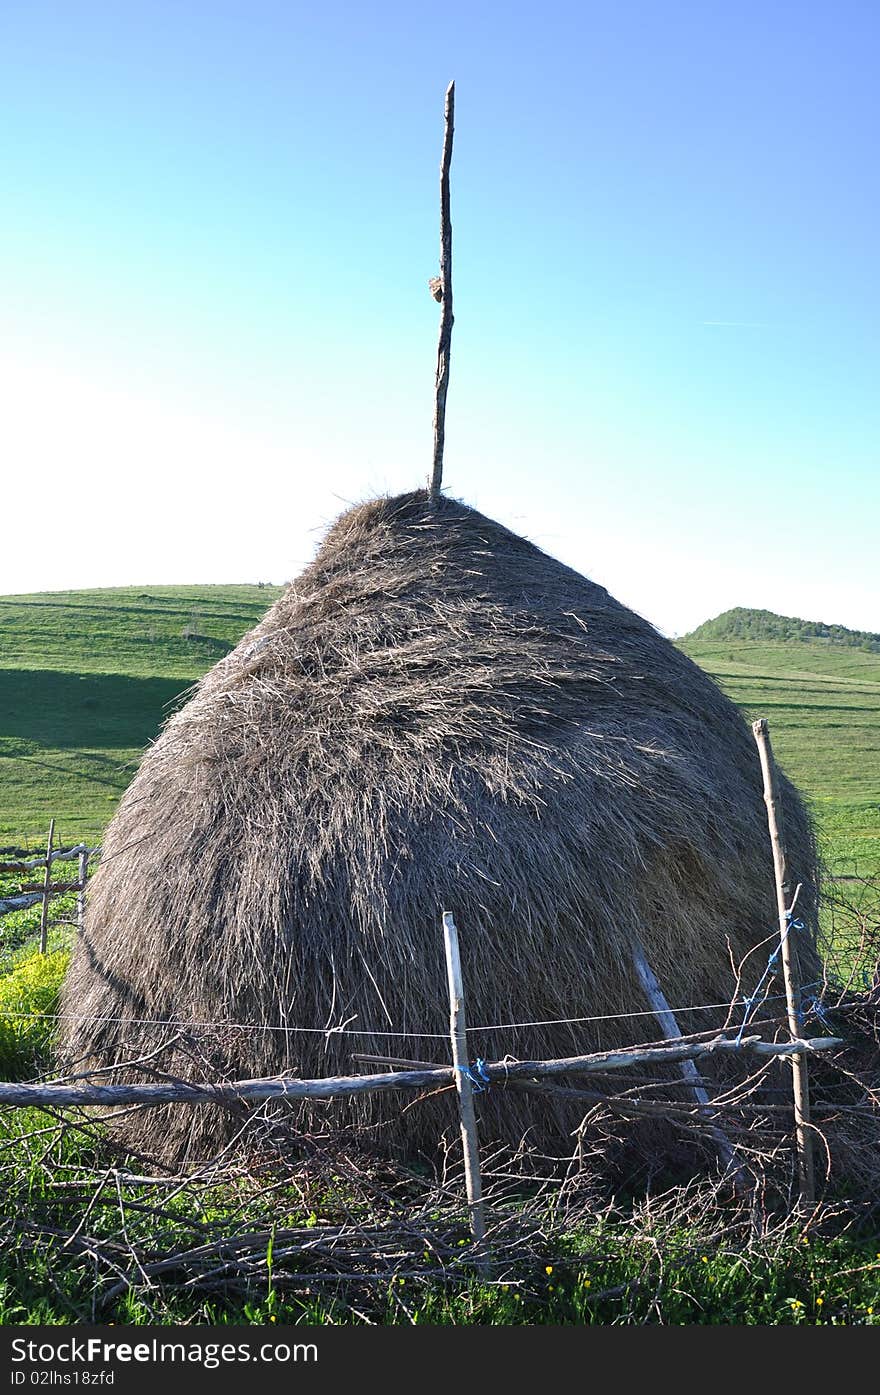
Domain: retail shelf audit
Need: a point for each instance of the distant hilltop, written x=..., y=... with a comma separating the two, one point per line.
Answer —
x=741, y=623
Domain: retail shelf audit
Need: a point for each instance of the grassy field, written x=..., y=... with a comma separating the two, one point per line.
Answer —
x=86, y=678
x=823, y=705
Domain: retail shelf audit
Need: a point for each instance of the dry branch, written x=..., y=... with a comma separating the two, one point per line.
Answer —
x=441, y=383
x=44, y=916
x=51, y=889
x=56, y=855
x=669, y=1026
x=338, y=1087
x=18, y=903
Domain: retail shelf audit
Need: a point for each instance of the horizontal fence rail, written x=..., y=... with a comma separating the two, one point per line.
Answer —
x=344, y=1086
x=57, y=855
x=18, y=863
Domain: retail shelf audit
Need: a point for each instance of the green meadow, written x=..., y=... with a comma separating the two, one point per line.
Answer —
x=86, y=680
x=822, y=701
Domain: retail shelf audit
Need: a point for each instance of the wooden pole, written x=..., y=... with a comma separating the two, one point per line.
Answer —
x=670, y=1029
x=346, y=1086
x=790, y=968
x=444, y=292
x=47, y=879
x=81, y=894
x=55, y=889
x=469, y=1137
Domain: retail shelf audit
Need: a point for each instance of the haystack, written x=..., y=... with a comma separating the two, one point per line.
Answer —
x=436, y=714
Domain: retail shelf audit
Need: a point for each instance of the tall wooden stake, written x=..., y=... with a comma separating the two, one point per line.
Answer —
x=444, y=291
x=47, y=880
x=790, y=967
x=469, y=1137
x=81, y=894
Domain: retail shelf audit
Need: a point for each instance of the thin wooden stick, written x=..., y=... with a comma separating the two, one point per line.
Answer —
x=53, y=888
x=790, y=968
x=469, y=1136
x=81, y=894
x=670, y=1029
x=44, y=916
x=444, y=344
x=343, y=1086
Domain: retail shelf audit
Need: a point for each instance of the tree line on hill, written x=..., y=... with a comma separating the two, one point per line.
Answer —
x=742, y=623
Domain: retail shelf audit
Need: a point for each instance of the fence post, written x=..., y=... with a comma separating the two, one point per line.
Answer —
x=790, y=968
x=464, y=1088
x=47, y=881
x=82, y=877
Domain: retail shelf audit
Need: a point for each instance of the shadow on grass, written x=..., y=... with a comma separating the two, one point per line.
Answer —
x=64, y=711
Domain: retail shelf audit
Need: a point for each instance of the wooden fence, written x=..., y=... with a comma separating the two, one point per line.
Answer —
x=530, y=1075
x=18, y=862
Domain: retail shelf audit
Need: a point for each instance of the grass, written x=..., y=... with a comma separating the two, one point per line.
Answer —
x=86, y=679
x=823, y=705
x=159, y=632
x=636, y=1265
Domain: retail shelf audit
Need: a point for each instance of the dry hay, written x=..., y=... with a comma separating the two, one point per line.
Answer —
x=436, y=714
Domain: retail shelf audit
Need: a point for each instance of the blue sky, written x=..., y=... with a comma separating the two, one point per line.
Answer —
x=220, y=220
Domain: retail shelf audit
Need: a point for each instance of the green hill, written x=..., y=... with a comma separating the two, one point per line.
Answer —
x=763, y=624
x=155, y=631
x=86, y=678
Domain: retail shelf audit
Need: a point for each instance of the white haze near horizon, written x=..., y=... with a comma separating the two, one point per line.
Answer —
x=117, y=477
